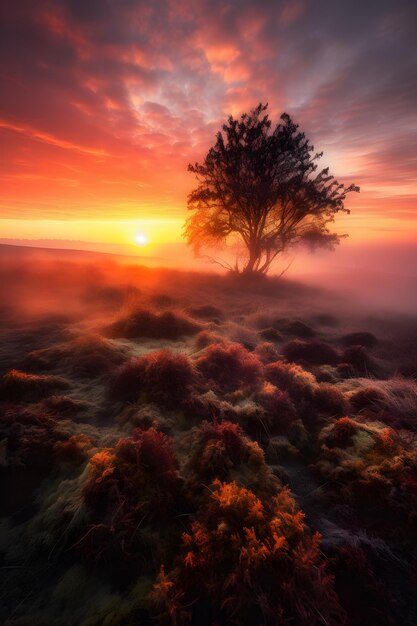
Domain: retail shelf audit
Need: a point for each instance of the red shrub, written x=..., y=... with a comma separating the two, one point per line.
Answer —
x=206, y=312
x=64, y=405
x=310, y=352
x=358, y=359
x=72, y=450
x=17, y=386
x=296, y=328
x=247, y=564
x=206, y=338
x=341, y=433
x=329, y=400
x=365, y=599
x=219, y=449
x=230, y=367
x=92, y=355
x=34, y=442
x=131, y=487
x=270, y=334
x=163, y=377
x=370, y=398
x=147, y=323
x=267, y=352
x=364, y=339
x=280, y=412
x=291, y=378
x=29, y=440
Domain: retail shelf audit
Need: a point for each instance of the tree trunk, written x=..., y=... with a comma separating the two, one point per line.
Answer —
x=254, y=254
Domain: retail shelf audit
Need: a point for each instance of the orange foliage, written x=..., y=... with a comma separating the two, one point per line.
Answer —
x=240, y=552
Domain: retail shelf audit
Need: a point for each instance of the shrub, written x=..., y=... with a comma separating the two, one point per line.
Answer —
x=364, y=339
x=161, y=300
x=370, y=398
x=270, y=334
x=365, y=598
x=72, y=450
x=92, y=355
x=147, y=323
x=358, y=359
x=329, y=400
x=64, y=405
x=29, y=437
x=245, y=563
x=17, y=386
x=206, y=312
x=206, y=338
x=34, y=442
x=310, y=352
x=131, y=488
x=163, y=377
x=345, y=370
x=296, y=328
x=393, y=401
x=230, y=367
x=267, y=352
x=291, y=378
x=326, y=374
x=340, y=434
x=221, y=450
x=325, y=319
x=280, y=414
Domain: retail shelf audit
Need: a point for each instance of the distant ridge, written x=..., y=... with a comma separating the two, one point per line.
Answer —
x=6, y=247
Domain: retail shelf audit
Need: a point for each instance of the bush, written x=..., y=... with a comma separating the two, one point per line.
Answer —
x=92, y=355
x=206, y=338
x=245, y=564
x=206, y=312
x=329, y=400
x=326, y=374
x=267, y=352
x=72, y=450
x=280, y=415
x=310, y=352
x=296, y=328
x=221, y=450
x=358, y=359
x=29, y=437
x=17, y=386
x=131, y=488
x=64, y=405
x=365, y=598
x=230, y=367
x=291, y=378
x=270, y=334
x=393, y=401
x=370, y=398
x=147, y=323
x=163, y=377
x=340, y=434
x=33, y=441
x=364, y=339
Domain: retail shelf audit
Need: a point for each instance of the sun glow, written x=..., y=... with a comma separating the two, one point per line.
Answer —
x=141, y=239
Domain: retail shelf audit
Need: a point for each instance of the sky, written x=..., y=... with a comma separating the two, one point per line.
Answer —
x=105, y=102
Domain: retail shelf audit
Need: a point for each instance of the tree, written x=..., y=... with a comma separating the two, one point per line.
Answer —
x=259, y=189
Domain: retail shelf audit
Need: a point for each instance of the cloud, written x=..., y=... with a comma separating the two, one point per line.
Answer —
x=132, y=91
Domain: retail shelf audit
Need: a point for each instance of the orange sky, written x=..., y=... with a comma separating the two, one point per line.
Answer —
x=102, y=109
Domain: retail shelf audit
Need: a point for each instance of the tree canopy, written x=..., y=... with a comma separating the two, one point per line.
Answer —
x=260, y=193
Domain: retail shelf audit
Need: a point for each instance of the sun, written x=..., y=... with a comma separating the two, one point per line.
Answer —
x=141, y=239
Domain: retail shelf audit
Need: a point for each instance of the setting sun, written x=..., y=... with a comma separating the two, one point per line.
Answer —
x=141, y=239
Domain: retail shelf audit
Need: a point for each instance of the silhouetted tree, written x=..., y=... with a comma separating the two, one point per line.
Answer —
x=259, y=188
